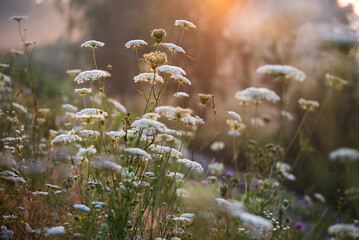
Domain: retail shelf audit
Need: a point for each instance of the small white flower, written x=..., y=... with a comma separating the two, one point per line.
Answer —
x=287, y=115
x=151, y=78
x=180, y=95
x=191, y=164
x=173, y=47
x=82, y=207
x=286, y=71
x=91, y=113
x=135, y=43
x=117, y=105
x=138, y=151
x=235, y=116
x=4, y=65
x=335, y=82
x=181, y=79
x=257, y=95
x=152, y=116
x=17, y=52
x=93, y=44
x=66, y=138
x=83, y=152
x=342, y=229
x=69, y=107
x=19, y=107
x=216, y=168
x=83, y=91
x=173, y=70
x=89, y=133
x=53, y=186
x=19, y=18
x=308, y=104
x=185, y=24
x=343, y=154
x=217, y=146
x=91, y=75
x=55, y=231
x=116, y=134
x=319, y=197
x=73, y=72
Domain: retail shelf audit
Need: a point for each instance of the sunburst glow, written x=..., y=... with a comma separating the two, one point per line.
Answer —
x=353, y=3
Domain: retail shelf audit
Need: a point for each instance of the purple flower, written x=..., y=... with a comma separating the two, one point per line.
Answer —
x=205, y=182
x=299, y=225
x=229, y=174
x=192, y=182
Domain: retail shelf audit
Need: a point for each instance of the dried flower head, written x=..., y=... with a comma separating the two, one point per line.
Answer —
x=158, y=34
x=155, y=59
x=288, y=72
x=204, y=98
x=91, y=75
x=135, y=43
x=308, y=104
x=335, y=82
x=184, y=24
x=92, y=44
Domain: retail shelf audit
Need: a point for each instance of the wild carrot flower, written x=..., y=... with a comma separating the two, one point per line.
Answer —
x=155, y=59
x=181, y=79
x=17, y=52
x=184, y=24
x=286, y=71
x=166, y=150
x=335, y=82
x=135, y=43
x=180, y=95
x=82, y=207
x=192, y=121
x=18, y=18
x=173, y=70
x=4, y=65
x=60, y=230
x=185, y=217
x=235, y=116
x=139, y=152
x=28, y=43
x=308, y=104
x=217, y=146
x=216, y=168
x=53, y=186
x=91, y=113
x=92, y=44
x=178, y=176
x=152, y=116
x=86, y=151
x=235, y=127
x=66, y=138
x=89, y=133
x=5, y=79
x=287, y=115
x=343, y=154
x=83, y=91
x=116, y=134
x=151, y=78
x=107, y=165
x=117, y=105
x=191, y=164
x=257, y=95
x=344, y=230
x=69, y=107
x=91, y=75
x=284, y=169
x=158, y=34
x=319, y=197
x=19, y=107
x=173, y=113
x=173, y=47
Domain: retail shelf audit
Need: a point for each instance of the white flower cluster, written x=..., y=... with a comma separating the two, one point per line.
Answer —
x=83, y=91
x=181, y=79
x=151, y=78
x=173, y=47
x=184, y=24
x=165, y=150
x=284, y=169
x=69, y=107
x=180, y=95
x=335, y=82
x=93, y=44
x=173, y=70
x=288, y=72
x=308, y=104
x=84, y=152
x=185, y=217
x=343, y=154
x=344, y=229
x=173, y=113
x=139, y=152
x=152, y=116
x=116, y=134
x=91, y=75
x=55, y=231
x=66, y=138
x=89, y=133
x=191, y=164
x=257, y=95
x=287, y=115
x=82, y=207
x=19, y=18
x=91, y=113
x=11, y=177
x=217, y=146
x=73, y=72
x=19, y=107
x=117, y=105
x=135, y=43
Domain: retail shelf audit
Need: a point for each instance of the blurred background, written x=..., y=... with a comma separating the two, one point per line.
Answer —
x=233, y=38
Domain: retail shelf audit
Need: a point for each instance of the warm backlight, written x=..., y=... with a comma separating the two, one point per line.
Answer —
x=353, y=3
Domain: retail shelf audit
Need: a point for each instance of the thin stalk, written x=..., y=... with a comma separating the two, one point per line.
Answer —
x=296, y=133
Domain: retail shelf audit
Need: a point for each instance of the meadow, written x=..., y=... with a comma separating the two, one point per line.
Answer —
x=84, y=166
